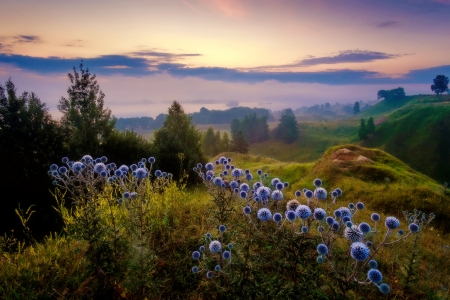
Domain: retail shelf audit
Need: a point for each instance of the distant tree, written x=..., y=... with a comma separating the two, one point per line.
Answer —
x=440, y=84
x=347, y=109
x=225, y=143
x=177, y=144
x=86, y=120
x=287, y=112
x=327, y=106
x=208, y=142
x=126, y=147
x=239, y=143
x=235, y=127
x=356, y=108
x=362, y=131
x=397, y=93
x=370, y=128
x=255, y=128
x=287, y=129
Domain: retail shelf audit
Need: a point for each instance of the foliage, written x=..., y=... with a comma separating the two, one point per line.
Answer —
x=287, y=129
x=356, y=108
x=140, y=123
x=211, y=116
x=370, y=126
x=397, y=93
x=30, y=141
x=178, y=143
x=440, y=84
x=214, y=143
x=86, y=120
x=253, y=127
x=239, y=143
x=362, y=130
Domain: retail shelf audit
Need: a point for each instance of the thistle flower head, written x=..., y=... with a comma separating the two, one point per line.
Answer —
x=345, y=212
x=194, y=269
x=201, y=248
x=151, y=160
x=65, y=160
x=321, y=229
x=353, y=234
x=87, y=159
x=233, y=184
x=335, y=226
x=141, y=173
x=277, y=195
x=244, y=187
x=375, y=276
x=236, y=172
x=303, y=211
x=77, y=167
x=62, y=170
x=222, y=159
x=103, y=159
x=217, y=268
x=322, y=249
x=118, y=173
x=215, y=246
x=264, y=214
x=330, y=221
x=54, y=167
x=247, y=210
x=364, y=227
x=320, y=193
x=334, y=194
x=218, y=181
x=259, y=172
x=133, y=167
x=209, y=275
x=263, y=193
x=290, y=215
x=351, y=206
x=319, y=259
x=384, y=288
x=279, y=186
x=375, y=217
x=226, y=254
x=338, y=191
x=298, y=193
x=360, y=205
x=277, y=217
x=392, y=223
x=256, y=185
x=196, y=255
x=304, y=229
x=103, y=174
x=319, y=213
x=317, y=182
x=413, y=227
x=369, y=244
x=124, y=168
x=373, y=264
x=222, y=228
x=249, y=177
x=345, y=219
x=275, y=181
x=308, y=194
x=359, y=251
x=337, y=213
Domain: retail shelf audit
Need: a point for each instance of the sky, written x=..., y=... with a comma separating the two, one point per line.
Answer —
x=219, y=54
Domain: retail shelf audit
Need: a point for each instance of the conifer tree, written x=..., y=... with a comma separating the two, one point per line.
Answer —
x=362, y=132
x=239, y=143
x=370, y=126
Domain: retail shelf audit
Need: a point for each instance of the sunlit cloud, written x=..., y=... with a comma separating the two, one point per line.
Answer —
x=387, y=24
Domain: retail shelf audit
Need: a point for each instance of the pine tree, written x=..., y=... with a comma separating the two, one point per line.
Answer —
x=239, y=143
x=370, y=126
x=225, y=143
x=208, y=142
x=362, y=132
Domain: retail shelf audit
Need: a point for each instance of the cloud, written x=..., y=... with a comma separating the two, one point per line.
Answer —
x=347, y=56
x=166, y=55
x=27, y=39
x=387, y=24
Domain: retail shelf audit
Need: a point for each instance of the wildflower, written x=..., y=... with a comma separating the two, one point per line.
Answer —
x=319, y=213
x=330, y=221
x=360, y=205
x=345, y=219
x=243, y=194
x=292, y=205
x=375, y=217
x=77, y=167
x=217, y=268
x=65, y=160
x=275, y=181
x=338, y=191
x=345, y=212
x=133, y=167
x=222, y=228
x=369, y=244
x=319, y=259
x=123, y=168
x=247, y=210
x=335, y=226
x=103, y=174
x=196, y=255
x=249, y=177
x=259, y=172
x=209, y=166
x=141, y=173
x=303, y=211
x=320, y=193
x=256, y=185
x=373, y=264
x=230, y=245
x=413, y=227
x=334, y=194
x=298, y=193
x=226, y=254
x=263, y=193
x=209, y=274
x=384, y=288
x=317, y=182
x=322, y=249
x=337, y=213
x=236, y=172
x=321, y=229
x=351, y=206
x=244, y=187
x=202, y=248
x=290, y=215
x=353, y=234
x=222, y=159
x=392, y=222
x=277, y=217
x=364, y=227
x=304, y=229
x=208, y=235
x=194, y=269
x=62, y=170
x=308, y=194
x=118, y=173
x=264, y=214
x=126, y=195
x=87, y=159
x=151, y=160
x=375, y=276
x=215, y=247
x=277, y=195
x=359, y=251
x=279, y=186
x=217, y=181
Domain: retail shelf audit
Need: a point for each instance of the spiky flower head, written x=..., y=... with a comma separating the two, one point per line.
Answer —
x=196, y=255
x=303, y=211
x=229, y=159
x=360, y=205
x=337, y=213
x=247, y=210
x=124, y=168
x=317, y=182
x=334, y=194
x=217, y=268
x=353, y=234
x=236, y=172
x=226, y=254
x=335, y=226
x=319, y=259
x=243, y=194
x=215, y=246
x=392, y=223
x=345, y=212
x=77, y=167
x=345, y=219
x=233, y=184
x=364, y=227
x=54, y=167
x=349, y=224
x=384, y=288
x=87, y=159
x=194, y=269
x=279, y=186
x=209, y=166
x=413, y=227
x=304, y=229
x=218, y=181
x=319, y=213
x=277, y=195
x=244, y=187
x=292, y=205
x=277, y=217
x=338, y=191
x=320, y=193
x=330, y=221
x=298, y=193
x=65, y=160
x=375, y=276
x=308, y=194
x=264, y=214
x=141, y=173
x=62, y=170
x=375, y=217
x=373, y=264
x=322, y=249
x=259, y=172
x=208, y=235
x=201, y=248
x=290, y=215
x=209, y=275
x=133, y=167
x=126, y=195
x=103, y=174
x=248, y=177
x=369, y=244
x=351, y=206
x=222, y=228
x=263, y=193
x=359, y=251
x=275, y=181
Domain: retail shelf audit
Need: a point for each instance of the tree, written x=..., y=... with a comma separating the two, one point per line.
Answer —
x=84, y=116
x=239, y=143
x=397, y=93
x=178, y=144
x=440, y=84
x=287, y=129
x=362, y=131
x=208, y=142
x=370, y=126
x=356, y=108
x=235, y=127
x=225, y=143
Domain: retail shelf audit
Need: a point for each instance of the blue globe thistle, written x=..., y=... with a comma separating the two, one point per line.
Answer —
x=124, y=168
x=209, y=166
x=263, y=193
x=303, y=212
x=120, y=200
x=322, y=249
x=62, y=170
x=208, y=235
x=359, y=251
x=320, y=193
x=230, y=245
x=277, y=217
x=97, y=161
x=286, y=184
x=244, y=187
x=225, y=173
x=249, y=177
x=346, y=219
x=77, y=167
x=111, y=179
x=223, y=185
x=351, y=206
x=215, y=247
x=334, y=194
x=392, y=223
x=321, y=229
x=338, y=191
x=217, y=268
x=298, y=193
x=201, y=248
x=199, y=165
x=308, y=194
x=54, y=173
x=243, y=194
x=292, y=205
x=247, y=210
x=103, y=174
x=256, y=198
x=133, y=167
x=256, y=185
x=228, y=167
x=133, y=195
x=208, y=178
x=353, y=234
x=319, y=213
x=196, y=255
x=375, y=217
x=225, y=163
x=236, y=172
x=194, y=269
x=317, y=182
x=375, y=276
x=141, y=173
x=83, y=166
x=319, y=259
x=233, y=184
x=236, y=190
x=259, y=172
x=209, y=173
x=87, y=159
x=413, y=227
x=222, y=228
x=209, y=275
x=226, y=254
x=266, y=175
x=401, y=232
x=164, y=174
x=218, y=181
x=217, y=162
x=369, y=244
x=337, y=213
x=158, y=173
x=54, y=167
x=279, y=186
x=70, y=164
x=335, y=226
x=277, y=195
x=151, y=160
x=304, y=229
x=330, y=221
x=222, y=159
x=349, y=224
x=360, y=205
x=373, y=264
x=126, y=195
x=229, y=159
x=275, y=181
x=384, y=288
x=345, y=212
x=54, y=182
x=264, y=214
x=49, y=172
x=103, y=159
x=290, y=215
x=113, y=166
x=364, y=227
x=65, y=160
